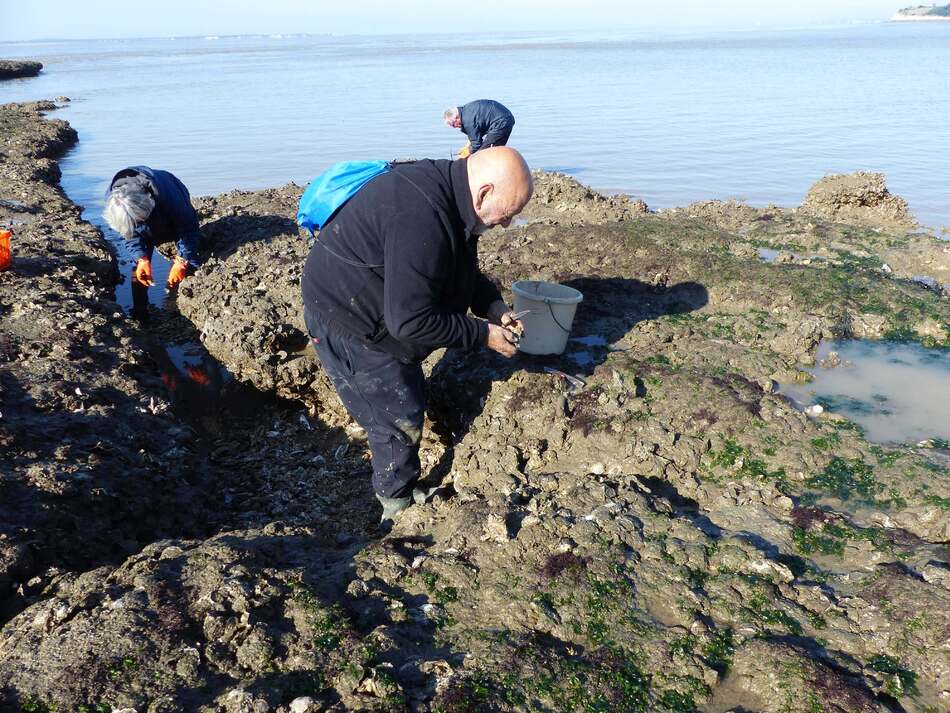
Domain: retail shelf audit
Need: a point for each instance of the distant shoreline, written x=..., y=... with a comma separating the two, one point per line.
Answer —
x=923, y=13
x=918, y=18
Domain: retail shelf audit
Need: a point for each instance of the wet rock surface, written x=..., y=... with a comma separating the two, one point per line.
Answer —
x=16, y=69
x=833, y=229
x=84, y=424
x=671, y=535
x=106, y=445
x=563, y=200
x=860, y=197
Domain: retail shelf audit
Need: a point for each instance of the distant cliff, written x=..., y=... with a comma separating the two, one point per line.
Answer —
x=923, y=13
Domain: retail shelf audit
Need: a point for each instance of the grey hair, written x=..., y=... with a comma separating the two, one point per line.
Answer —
x=450, y=114
x=127, y=206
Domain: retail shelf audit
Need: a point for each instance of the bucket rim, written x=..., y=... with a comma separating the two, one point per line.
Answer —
x=518, y=288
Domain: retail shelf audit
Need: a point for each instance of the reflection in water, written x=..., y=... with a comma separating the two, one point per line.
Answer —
x=593, y=348
x=771, y=255
x=202, y=390
x=587, y=357
x=140, y=300
x=898, y=393
x=187, y=355
x=592, y=340
x=583, y=357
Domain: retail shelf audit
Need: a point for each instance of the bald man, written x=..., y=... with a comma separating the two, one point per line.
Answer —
x=391, y=278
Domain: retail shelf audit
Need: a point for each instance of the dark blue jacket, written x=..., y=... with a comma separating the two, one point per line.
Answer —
x=397, y=266
x=486, y=122
x=173, y=219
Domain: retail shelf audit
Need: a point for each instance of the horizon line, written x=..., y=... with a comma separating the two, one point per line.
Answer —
x=779, y=27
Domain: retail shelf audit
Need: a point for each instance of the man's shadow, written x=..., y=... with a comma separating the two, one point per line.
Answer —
x=611, y=308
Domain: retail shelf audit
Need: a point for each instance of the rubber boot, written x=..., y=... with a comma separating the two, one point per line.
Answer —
x=421, y=495
x=392, y=506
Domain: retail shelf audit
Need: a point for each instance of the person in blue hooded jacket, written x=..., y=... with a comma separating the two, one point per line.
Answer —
x=148, y=207
x=486, y=122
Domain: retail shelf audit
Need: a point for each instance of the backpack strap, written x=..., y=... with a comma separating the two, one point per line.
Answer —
x=445, y=224
x=381, y=337
x=357, y=263
x=354, y=263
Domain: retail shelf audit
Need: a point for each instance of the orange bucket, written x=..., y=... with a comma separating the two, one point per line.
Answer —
x=5, y=257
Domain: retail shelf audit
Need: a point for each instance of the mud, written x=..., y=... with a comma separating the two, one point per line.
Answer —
x=673, y=535
x=16, y=69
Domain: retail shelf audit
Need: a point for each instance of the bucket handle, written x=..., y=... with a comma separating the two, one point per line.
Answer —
x=551, y=310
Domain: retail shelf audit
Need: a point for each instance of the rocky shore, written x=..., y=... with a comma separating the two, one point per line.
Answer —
x=671, y=536
x=15, y=69
x=923, y=13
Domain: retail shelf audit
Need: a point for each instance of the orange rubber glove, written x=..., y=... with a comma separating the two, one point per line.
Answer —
x=143, y=272
x=178, y=272
x=466, y=150
x=198, y=375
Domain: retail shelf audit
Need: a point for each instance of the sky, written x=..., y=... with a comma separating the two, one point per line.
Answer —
x=39, y=19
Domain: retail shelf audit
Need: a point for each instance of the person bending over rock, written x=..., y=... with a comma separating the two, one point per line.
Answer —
x=486, y=123
x=149, y=207
x=391, y=278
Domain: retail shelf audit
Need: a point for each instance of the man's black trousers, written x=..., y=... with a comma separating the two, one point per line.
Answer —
x=383, y=395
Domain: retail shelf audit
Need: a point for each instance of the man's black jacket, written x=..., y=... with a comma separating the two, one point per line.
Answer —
x=485, y=122
x=397, y=265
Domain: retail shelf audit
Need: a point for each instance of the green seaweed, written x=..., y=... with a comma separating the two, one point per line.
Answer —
x=720, y=649
x=122, y=668
x=443, y=595
x=34, y=704
x=683, y=645
x=845, y=478
x=728, y=455
x=99, y=707
x=329, y=624
x=609, y=679
x=943, y=503
x=761, y=608
x=810, y=542
x=826, y=442
x=899, y=681
x=677, y=701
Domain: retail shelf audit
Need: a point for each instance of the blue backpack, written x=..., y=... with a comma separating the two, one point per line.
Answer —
x=327, y=193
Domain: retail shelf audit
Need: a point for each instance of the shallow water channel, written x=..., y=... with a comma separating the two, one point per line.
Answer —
x=771, y=255
x=897, y=392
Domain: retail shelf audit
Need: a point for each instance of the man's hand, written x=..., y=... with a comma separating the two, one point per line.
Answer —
x=515, y=325
x=503, y=341
x=178, y=272
x=497, y=311
x=501, y=314
x=143, y=272
x=466, y=150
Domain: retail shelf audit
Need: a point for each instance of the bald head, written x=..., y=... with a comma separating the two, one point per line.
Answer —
x=501, y=185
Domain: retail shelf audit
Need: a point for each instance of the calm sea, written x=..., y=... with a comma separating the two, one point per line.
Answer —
x=673, y=118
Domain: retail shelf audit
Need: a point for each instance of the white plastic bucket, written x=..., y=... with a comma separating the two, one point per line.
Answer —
x=548, y=325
